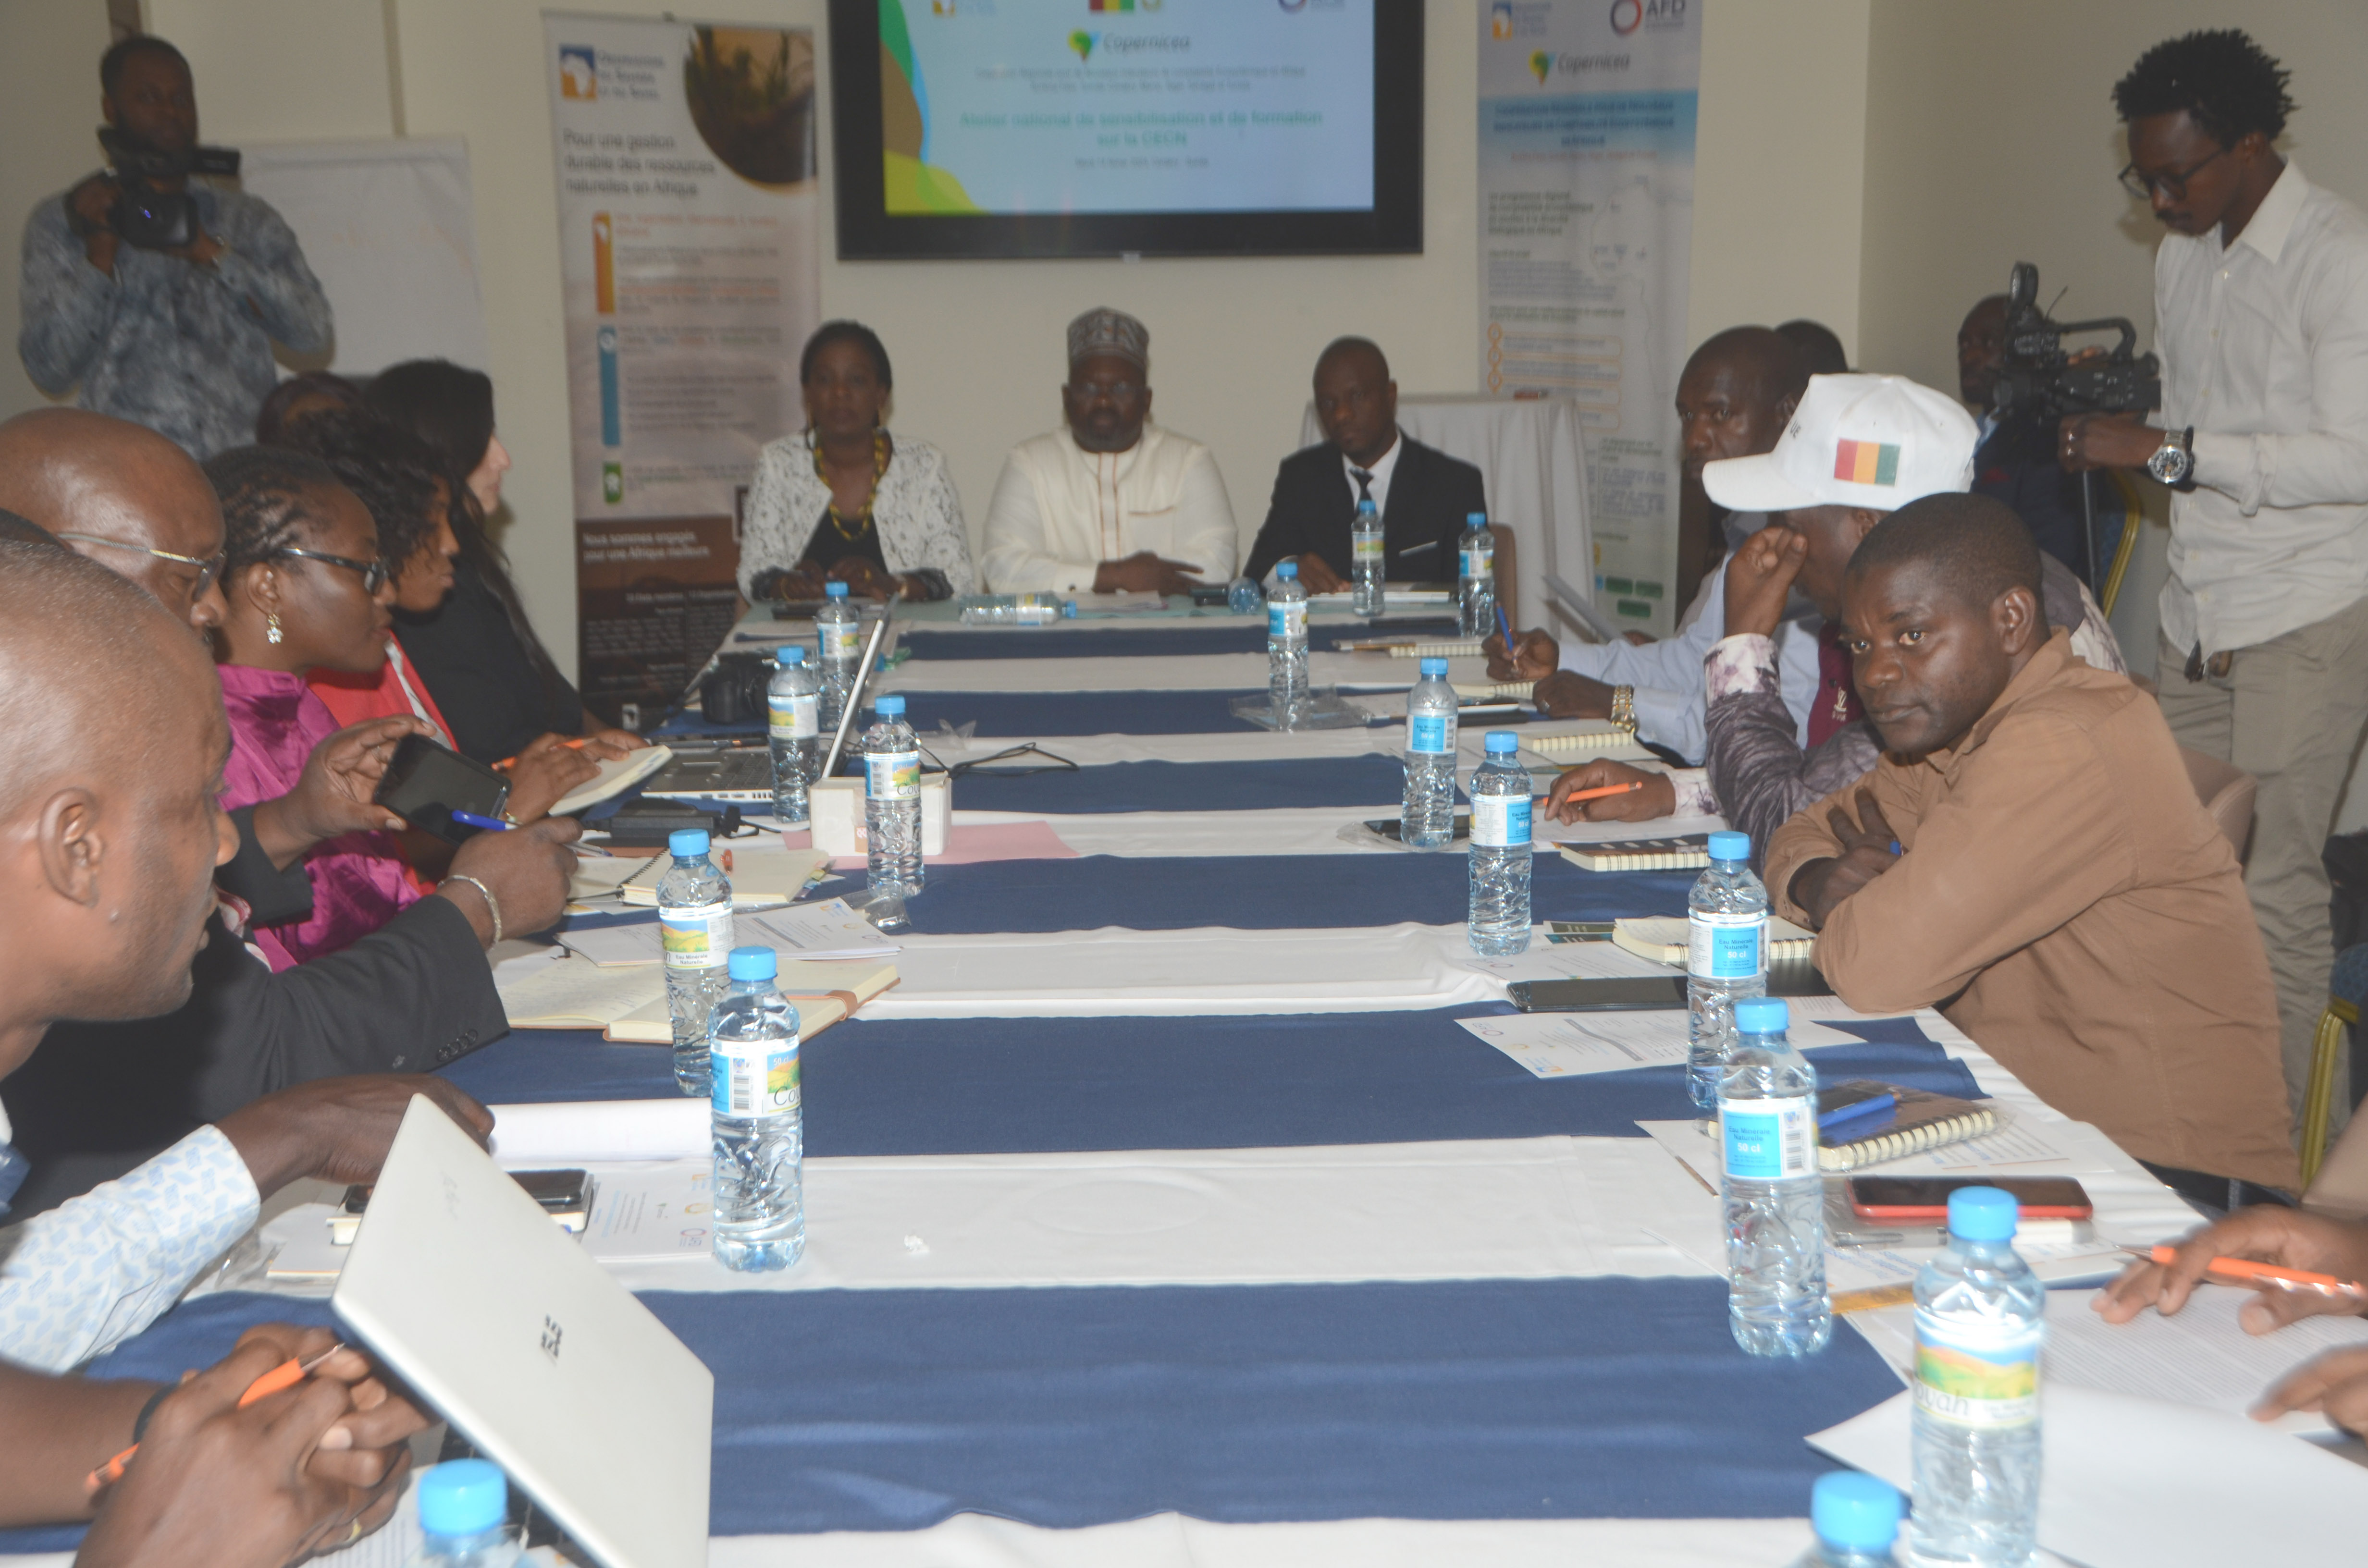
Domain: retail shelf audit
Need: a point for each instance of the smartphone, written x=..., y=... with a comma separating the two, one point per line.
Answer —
x=1926, y=1197
x=426, y=783
x=1212, y=595
x=1647, y=992
x=1394, y=829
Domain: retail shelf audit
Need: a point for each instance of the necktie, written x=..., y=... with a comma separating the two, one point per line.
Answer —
x=1364, y=479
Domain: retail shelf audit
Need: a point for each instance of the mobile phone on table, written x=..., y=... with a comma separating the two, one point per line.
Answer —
x=1645, y=993
x=425, y=783
x=1926, y=1197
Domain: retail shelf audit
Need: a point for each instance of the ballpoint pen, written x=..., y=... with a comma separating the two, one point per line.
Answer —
x=495, y=825
x=287, y=1374
x=576, y=744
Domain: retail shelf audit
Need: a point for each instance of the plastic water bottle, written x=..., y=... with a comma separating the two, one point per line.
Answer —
x=1426, y=816
x=839, y=631
x=892, y=799
x=1774, y=1199
x=794, y=725
x=1498, y=923
x=1365, y=559
x=1017, y=609
x=1286, y=642
x=464, y=1515
x=1476, y=573
x=752, y=1038
x=695, y=926
x=1856, y=1517
x=1244, y=596
x=1726, y=957
x=1980, y=1319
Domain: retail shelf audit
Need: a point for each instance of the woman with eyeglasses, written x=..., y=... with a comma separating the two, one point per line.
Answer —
x=398, y=478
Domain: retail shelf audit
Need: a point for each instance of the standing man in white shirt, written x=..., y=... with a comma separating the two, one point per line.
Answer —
x=1110, y=503
x=2261, y=318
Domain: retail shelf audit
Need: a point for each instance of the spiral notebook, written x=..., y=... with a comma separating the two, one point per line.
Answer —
x=1919, y=1119
x=1464, y=649
x=1683, y=852
x=1663, y=938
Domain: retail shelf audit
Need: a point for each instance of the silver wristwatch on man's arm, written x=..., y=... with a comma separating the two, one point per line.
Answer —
x=2174, y=461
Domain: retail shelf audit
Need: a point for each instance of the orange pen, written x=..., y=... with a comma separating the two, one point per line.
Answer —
x=286, y=1375
x=1629, y=787
x=576, y=744
x=2261, y=1276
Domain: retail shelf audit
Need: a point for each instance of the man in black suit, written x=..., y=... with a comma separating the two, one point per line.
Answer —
x=1425, y=496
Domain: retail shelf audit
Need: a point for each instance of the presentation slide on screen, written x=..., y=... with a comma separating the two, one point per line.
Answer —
x=1008, y=107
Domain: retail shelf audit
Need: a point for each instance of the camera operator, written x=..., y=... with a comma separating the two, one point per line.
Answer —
x=159, y=296
x=2261, y=319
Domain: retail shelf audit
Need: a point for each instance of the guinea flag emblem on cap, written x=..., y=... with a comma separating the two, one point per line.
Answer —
x=1866, y=462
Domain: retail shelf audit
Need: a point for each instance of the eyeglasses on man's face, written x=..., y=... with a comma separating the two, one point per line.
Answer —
x=209, y=568
x=374, y=572
x=2172, y=187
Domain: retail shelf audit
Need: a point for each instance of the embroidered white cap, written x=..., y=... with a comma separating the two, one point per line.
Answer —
x=1872, y=441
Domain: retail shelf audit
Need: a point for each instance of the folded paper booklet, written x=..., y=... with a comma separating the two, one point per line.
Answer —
x=616, y=775
x=1684, y=852
x=1916, y=1121
x=1662, y=938
x=825, y=993
x=757, y=876
x=1593, y=740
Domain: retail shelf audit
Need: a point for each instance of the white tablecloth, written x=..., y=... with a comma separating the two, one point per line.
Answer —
x=1533, y=463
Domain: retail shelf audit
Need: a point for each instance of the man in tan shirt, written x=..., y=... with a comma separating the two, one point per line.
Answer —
x=2058, y=890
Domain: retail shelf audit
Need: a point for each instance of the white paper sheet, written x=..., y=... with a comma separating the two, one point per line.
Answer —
x=1560, y=1045
x=827, y=930
x=2146, y=1483
x=536, y=1136
x=1567, y=961
x=2202, y=1355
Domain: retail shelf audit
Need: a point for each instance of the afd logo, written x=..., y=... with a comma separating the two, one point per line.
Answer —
x=1083, y=42
x=579, y=74
x=1627, y=15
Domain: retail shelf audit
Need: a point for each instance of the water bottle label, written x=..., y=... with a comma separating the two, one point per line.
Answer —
x=1479, y=561
x=698, y=936
x=892, y=775
x=1500, y=822
x=1432, y=735
x=1287, y=620
x=797, y=717
x=1770, y=1140
x=1983, y=1375
x=840, y=642
x=754, y=1077
x=1367, y=548
x=1727, y=947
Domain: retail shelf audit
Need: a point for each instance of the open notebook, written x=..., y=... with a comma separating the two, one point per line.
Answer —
x=616, y=775
x=824, y=992
x=628, y=1003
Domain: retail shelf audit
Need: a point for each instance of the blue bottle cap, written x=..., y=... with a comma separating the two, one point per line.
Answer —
x=1502, y=742
x=1730, y=847
x=1762, y=1015
x=1287, y=571
x=834, y=590
x=1476, y=519
x=752, y=964
x=688, y=843
x=1433, y=669
x=1983, y=1214
x=889, y=706
x=1853, y=1512
x=462, y=1497
x=790, y=656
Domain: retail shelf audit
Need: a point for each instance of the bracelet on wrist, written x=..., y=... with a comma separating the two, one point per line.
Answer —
x=493, y=905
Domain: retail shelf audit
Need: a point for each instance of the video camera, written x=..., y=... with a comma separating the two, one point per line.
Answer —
x=146, y=215
x=2037, y=380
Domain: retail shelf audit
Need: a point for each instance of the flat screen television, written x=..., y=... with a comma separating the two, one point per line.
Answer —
x=1083, y=128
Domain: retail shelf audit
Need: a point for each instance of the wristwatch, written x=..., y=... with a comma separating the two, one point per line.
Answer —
x=1623, y=707
x=2174, y=461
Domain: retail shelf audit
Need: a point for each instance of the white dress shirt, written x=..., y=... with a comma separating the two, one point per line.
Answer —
x=81, y=1278
x=1667, y=675
x=1381, y=469
x=2264, y=350
x=1058, y=511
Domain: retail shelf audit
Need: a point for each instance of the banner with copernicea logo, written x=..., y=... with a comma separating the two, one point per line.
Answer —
x=689, y=231
x=1586, y=175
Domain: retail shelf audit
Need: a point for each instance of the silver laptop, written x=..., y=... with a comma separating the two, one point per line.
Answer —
x=743, y=775
x=462, y=1285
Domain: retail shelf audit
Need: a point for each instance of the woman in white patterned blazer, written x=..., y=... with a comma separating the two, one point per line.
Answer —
x=843, y=501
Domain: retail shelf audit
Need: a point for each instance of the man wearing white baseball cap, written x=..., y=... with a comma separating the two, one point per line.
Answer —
x=1857, y=448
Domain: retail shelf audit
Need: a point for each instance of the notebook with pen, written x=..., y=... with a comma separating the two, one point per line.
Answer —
x=1863, y=1122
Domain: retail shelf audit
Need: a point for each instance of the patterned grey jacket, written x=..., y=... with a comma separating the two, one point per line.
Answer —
x=181, y=348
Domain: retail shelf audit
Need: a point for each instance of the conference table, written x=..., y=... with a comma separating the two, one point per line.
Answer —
x=1165, y=1211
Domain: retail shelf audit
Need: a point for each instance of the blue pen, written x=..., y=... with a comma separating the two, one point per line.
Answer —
x=491, y=825
x=1506, y=626
x=1854, y=1111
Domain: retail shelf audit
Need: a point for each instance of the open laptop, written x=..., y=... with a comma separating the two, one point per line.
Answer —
x=462, y=1285
x=743, y=775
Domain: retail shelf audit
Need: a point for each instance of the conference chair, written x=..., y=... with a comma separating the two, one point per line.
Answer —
x=2226, y=792
x=2347, y=990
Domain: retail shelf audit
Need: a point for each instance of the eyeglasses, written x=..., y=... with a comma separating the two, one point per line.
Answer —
x=2173, y=187
x=374, y=572
x=209, y=570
